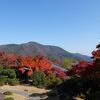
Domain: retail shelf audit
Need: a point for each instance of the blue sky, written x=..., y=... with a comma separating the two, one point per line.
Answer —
x=71, y=24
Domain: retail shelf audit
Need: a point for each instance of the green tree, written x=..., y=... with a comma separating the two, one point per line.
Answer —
x=39, y=79
x=1, y=69
x=68, y=62
x=6, y=75
x=10, y=73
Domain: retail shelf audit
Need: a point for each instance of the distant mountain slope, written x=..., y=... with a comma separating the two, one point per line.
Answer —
x=33, y=49
x=83, y=57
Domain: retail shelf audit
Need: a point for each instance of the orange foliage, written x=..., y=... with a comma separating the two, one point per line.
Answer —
x=38, y=62
x=28, y=63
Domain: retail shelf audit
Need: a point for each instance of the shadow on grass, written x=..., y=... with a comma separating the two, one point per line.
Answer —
x=37, y=94
x=45, y=96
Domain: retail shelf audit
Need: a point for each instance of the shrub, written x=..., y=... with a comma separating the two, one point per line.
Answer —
x=58, y=81
x=2, y=83
x=10, y=73
x=70, y=88
x=1, y=68
x=3, y=80
x=7, y=93
x=13, y=82
x=39, y=79
x=9, y=98
x=53, y=81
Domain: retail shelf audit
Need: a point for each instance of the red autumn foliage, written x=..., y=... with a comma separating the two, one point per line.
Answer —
x=88, y=69
x=83, y=68
x=37, y=63
x=7, y=59
x=29, y=72
x=58, y=72
x=21, y=70
x=80, y=68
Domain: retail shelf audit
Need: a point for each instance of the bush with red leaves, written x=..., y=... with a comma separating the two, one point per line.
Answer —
x=88, y=69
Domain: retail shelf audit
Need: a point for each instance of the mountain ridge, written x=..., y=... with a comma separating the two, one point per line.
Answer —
x=34, y=48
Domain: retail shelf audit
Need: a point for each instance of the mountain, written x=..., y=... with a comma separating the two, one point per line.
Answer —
x=33, y=49
x=83, y=57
